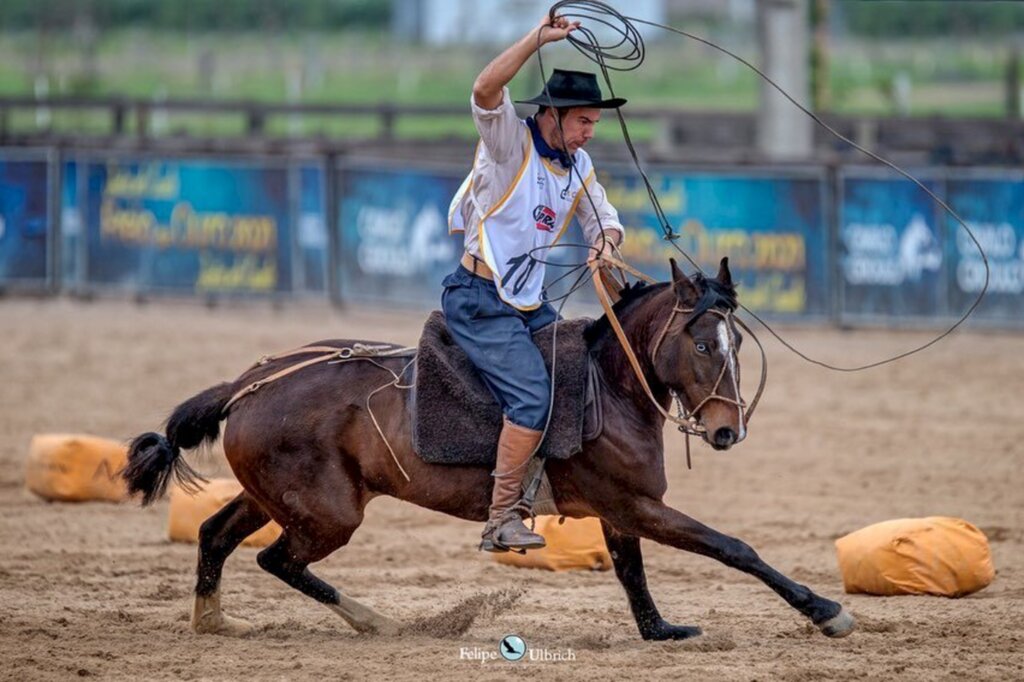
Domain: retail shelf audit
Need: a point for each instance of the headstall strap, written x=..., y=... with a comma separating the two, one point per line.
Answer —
x=613, y=320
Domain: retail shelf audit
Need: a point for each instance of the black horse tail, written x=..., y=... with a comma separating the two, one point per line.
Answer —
x=153, y=459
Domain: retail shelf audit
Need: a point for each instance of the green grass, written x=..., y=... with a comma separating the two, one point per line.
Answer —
x=951, y=78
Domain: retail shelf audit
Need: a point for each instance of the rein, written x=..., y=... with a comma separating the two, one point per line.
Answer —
x=687, y=420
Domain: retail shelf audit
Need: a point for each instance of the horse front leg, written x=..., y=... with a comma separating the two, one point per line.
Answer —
x=653, y=519
x=629, y=568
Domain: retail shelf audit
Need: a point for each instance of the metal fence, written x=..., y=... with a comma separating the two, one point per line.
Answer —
x=28, y=224
x=851, y=245
x=710, y=134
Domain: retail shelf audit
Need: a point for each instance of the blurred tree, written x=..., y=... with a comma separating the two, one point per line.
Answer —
x=877, y=18
x=931, y=17
x=1012, y=83
x=819, y=13
x=200, y=14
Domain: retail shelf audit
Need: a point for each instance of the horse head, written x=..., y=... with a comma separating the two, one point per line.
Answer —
x=696, y=354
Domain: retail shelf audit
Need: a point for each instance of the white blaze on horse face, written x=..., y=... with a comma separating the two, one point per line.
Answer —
x=725, y=348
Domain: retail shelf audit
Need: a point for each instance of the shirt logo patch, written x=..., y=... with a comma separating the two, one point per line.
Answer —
x=545, y=218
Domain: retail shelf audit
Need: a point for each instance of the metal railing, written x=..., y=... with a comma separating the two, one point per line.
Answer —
x=120, y=111
x=672, y=132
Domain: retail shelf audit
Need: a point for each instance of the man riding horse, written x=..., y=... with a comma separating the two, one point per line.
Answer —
x=311, y=453
x=527, y=183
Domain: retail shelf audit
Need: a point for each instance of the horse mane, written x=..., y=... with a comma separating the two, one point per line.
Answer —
x=713, y=294
x=628, y=296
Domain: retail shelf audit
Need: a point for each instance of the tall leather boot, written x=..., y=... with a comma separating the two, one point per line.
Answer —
x=505, y=529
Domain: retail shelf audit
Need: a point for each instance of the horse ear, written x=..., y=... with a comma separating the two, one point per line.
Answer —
x=724, y=276
x=686, y=292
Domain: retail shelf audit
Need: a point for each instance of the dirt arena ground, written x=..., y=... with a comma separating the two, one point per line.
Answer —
x=96, y=589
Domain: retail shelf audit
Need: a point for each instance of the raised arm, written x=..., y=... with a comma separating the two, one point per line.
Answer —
x=496, y=75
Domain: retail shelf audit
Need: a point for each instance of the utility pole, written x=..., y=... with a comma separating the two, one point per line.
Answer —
x=1012, y=83
x=820, y=94
x=783, y=131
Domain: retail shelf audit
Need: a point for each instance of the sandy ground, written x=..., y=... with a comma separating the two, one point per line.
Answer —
x=96, y=589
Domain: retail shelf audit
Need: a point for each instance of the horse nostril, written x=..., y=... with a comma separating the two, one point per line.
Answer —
x=725, y=436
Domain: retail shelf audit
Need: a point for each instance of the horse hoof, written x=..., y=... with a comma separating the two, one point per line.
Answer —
x=388, y=628
x=380, y=626
x=665, y=632
x=839, y=625
x=222, y=625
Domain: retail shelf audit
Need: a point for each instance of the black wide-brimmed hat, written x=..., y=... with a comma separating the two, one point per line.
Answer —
x=573, y=89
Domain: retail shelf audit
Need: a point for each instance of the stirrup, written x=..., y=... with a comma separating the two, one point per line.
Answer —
x=489, y=543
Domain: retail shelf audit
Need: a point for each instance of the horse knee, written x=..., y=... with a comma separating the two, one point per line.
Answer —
x=211, y=540
x=733, y=552
x=649, y=518
x=220, y=534
x=216, y=541
x=274, y=561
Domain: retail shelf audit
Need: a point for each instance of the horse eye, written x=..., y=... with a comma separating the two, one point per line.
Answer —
x=702, y=347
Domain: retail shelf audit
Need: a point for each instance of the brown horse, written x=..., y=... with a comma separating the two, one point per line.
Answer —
x=309, y=457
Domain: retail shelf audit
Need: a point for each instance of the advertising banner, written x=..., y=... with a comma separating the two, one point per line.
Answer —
x=72, y=255
x=773, y=230
x=312, y=229
x=187, y=225
x=393, y=227
x=24, y=217
x=993, y=208
x=890, y=240
x=395, y=244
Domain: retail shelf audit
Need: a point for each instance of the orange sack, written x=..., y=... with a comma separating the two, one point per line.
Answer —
x=187, y=512
x=577, y=544
x=937, y=555
x=75, y=468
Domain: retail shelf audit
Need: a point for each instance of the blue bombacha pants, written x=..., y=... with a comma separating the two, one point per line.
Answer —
x=497, y=338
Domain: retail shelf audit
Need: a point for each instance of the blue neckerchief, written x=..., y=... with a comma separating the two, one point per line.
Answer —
x=544, y=149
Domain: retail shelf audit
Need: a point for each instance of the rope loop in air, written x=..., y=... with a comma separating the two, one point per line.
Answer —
x=625, y=51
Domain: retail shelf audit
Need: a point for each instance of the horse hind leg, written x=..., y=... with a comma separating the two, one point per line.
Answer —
x=289, y=560
x=219, y=536
x=322, y=521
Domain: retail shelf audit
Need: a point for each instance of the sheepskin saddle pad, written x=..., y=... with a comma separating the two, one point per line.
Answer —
x=456, y=418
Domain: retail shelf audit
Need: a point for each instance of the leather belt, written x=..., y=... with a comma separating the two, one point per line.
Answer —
x=476, y=266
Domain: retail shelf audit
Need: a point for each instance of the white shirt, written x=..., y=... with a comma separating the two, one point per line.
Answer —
x=532, y=215
x=498, y=159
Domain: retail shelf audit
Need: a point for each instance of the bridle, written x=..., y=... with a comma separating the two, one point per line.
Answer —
x=713, y=394
x=687, y=421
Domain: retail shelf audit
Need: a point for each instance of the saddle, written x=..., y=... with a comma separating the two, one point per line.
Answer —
x=456, y=419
